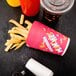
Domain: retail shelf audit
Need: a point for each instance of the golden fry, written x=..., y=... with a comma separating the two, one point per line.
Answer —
x=16, y=23
x=7, y=42
x=22, y=19
x=17, y=36
x=21, y=30
x=17, y=32
x=20, y=45
x=15, y=45
x=14, y=40
x=8, y=47
x=29, y=24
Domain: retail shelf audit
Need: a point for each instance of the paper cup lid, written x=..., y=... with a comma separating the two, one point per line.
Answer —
x=57, y=6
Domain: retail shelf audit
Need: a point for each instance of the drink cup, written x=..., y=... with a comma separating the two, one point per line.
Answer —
x=46, y=39
x=53, y=9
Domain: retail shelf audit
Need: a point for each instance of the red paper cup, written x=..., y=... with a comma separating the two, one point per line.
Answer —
x=46, y=39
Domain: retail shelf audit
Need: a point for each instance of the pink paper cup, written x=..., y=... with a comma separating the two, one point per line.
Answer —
x=46, y=39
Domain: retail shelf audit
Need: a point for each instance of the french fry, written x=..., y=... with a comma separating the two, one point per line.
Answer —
x=18, y=31
x=20, y=45
x=7, y=43
x=18, y=34
x=14, y=40
x=15, y=45
x=16, y=23
x=22, y=19
x=8, y=47
x=21, y=30
x=29, y=24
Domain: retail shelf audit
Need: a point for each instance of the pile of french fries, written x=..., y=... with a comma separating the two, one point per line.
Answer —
x=18, y=34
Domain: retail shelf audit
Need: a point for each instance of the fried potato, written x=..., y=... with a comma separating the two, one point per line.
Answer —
x=18, y=34
x=22, y=19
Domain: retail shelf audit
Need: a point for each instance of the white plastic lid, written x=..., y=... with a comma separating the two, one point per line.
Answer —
x=57, y=6
x=38, y=69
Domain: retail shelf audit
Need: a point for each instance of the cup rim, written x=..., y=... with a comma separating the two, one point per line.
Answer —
x=67, y=45
x=57, y=12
